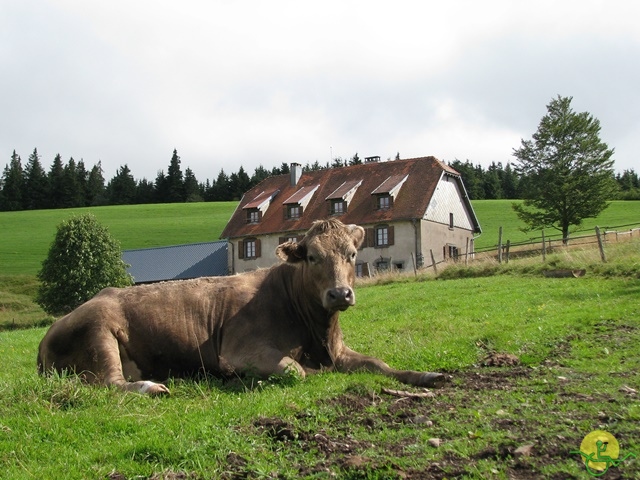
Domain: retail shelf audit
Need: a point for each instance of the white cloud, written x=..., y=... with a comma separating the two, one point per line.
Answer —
x=252, y=82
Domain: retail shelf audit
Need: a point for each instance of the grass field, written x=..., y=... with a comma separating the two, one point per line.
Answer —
x=578, y=341
x=26, y=236
x=494, y=214
x=535, y=363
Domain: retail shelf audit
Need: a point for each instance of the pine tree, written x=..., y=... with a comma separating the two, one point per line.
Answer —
x=121, y=189
x=221, y=189
x=175, y=181
x=36, y=191
x=13, y=185
x=355, y=160
x=161, y=188
x=95, y=192
x=56, y=183
x=72, y=194
x=191, y=188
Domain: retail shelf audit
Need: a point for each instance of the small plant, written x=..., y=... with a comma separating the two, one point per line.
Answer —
x=83, y=259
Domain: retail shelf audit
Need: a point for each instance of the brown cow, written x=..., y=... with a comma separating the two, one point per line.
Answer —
x=263, y=322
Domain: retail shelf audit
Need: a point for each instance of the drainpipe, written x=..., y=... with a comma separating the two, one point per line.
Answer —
x=419, y=259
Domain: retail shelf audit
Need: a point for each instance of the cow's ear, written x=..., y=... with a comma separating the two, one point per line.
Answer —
x=357, y=233
x=291, y=252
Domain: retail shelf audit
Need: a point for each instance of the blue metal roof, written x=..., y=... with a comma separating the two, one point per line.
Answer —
x=177, y=262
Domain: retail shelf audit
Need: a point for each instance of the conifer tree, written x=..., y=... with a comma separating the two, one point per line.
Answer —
x=36, y=189
x=13, y=185
x=56, y=183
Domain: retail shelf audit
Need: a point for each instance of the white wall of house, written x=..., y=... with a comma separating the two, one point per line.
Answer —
x=398, y=255
x=268, y=245
x=446, y=200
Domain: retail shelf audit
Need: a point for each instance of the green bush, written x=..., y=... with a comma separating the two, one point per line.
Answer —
x=83, y=259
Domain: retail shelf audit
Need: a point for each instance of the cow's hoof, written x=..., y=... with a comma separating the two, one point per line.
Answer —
x=432, y=380
x=153, y=389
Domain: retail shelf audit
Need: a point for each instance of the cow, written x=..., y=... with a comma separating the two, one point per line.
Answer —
x=265, y=322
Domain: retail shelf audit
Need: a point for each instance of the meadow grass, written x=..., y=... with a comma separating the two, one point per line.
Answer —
x=27, y=235
x=578, y=341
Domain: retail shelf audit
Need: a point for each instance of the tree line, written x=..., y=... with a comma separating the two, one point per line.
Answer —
x=73, y=184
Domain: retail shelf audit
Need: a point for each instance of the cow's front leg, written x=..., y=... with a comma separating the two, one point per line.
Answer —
x=261, y=363
x=350, y=361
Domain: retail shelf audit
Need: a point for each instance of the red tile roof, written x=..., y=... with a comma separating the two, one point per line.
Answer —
x=411, y=201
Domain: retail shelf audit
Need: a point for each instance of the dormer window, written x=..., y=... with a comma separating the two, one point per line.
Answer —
x=254, y=216
x=340, y=198
x=384, y=201
x=294, y=205
x=387, y=191
x=294, y=211
x=257, y=207
x=338, y=207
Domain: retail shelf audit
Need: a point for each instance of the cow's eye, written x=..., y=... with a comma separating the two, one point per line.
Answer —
x=311, y=259
x=352, y=257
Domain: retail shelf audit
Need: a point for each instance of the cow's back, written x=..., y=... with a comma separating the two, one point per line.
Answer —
x=162, y=329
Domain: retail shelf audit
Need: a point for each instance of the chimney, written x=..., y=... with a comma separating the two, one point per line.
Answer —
x=296, y=173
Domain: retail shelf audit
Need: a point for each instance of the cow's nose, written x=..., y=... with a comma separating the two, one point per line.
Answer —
x=340, y=298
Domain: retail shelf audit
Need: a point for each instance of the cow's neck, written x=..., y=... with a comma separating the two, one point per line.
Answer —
x=323, y=326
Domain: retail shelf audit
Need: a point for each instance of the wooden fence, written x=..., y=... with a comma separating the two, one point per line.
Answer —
x=542, y=245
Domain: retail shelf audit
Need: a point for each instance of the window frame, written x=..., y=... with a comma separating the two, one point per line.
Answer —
x=384, y=202
x=254, y=215
x=294, y=211
x=381, y=236
x=338, y=206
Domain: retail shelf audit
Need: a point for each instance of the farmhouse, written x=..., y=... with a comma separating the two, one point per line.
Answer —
x=411, y=209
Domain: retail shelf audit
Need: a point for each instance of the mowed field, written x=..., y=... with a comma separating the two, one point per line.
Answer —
x=26, y=236
x=535, y=365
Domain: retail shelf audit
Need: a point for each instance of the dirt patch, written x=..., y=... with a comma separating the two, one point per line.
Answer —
x=496, y=359
x=501, y=419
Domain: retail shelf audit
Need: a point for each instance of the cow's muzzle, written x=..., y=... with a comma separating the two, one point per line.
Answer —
x=339, y=298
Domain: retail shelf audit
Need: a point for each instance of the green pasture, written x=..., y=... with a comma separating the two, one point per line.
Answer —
x=26, y=236
x=494, y=214
x=578, y=341
x=575, y=341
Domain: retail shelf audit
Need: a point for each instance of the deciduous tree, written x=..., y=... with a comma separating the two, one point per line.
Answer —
x=83, y=259
x=569, y=170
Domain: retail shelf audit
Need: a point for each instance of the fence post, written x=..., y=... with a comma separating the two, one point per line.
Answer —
x=600, y=246
x=507, y=251
x=413, y=262
x=544, y=248
x=500, y=245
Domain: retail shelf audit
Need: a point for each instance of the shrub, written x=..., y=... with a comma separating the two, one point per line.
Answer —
x=83, y=259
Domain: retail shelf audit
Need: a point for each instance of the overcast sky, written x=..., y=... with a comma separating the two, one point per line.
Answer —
x=230, y=83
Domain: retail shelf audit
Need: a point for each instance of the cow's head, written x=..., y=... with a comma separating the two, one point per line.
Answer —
x=327, y=255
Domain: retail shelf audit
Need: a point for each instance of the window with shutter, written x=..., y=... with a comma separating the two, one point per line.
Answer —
x=384, y=236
